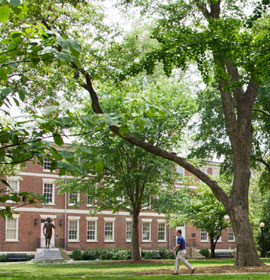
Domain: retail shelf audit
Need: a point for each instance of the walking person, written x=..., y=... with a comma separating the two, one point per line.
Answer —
x=180, y=249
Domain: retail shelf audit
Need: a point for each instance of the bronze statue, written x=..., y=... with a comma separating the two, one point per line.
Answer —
x=47, y=231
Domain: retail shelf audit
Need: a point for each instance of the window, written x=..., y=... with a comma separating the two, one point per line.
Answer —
x=231, y=236
x=73, y=229
x=215, y=172
x=73, y=198
x=120, y=199
x=109, y=229
x=128, y=231
x=14, y=186
x=90, y=200
x=146, y=231
x=91, y=229
x=12, y=226
x=161, y=231
x=48, y=192
x=204, y=170
x=181, y=171
x=204, y=236
x=46, y=164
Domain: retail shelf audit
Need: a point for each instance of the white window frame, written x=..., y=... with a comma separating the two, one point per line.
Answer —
x=207, y=237
x=181, y=171
x=16, y=218
x=78, y=198
x=215, y=172
x=94, y=220
x=45, y=162
x=165, y=231
x=147, y=221
x=230, y=231
x=94, y=201
x=205, y=170
x=120, y=198
x=16, y=179
x=128, y=220
x=74, y=219
x=51, y=182
x=91, y=204
x=109, y=220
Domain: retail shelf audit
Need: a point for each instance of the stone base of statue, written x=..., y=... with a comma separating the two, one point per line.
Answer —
x=48, y=255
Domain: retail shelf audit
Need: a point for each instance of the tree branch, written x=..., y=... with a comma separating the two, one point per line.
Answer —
x=218, y=192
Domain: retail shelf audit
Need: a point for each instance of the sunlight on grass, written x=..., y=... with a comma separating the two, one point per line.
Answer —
x=95, y=271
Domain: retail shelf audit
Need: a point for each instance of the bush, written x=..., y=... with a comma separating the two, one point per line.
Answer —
x=205, y=252
x=157, y=254
x=119, y=254
x=166, y=254
x=3, y=258
x=76, y=254
x=102, y=254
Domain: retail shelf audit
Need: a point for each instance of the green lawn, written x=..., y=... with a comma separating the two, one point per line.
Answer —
x=95, y=271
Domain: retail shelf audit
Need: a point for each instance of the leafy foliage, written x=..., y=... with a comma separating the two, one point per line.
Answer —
x=199, y=208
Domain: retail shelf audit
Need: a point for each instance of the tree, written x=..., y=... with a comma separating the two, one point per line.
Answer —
x=228, y=43
x=27, y=46
x=131, y=177
x=200, y=208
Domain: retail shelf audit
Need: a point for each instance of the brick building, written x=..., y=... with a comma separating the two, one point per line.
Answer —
x=76, y=229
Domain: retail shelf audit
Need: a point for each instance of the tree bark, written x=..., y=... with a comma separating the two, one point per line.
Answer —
x=246, y=253
x=135, y=250
x=212, y=247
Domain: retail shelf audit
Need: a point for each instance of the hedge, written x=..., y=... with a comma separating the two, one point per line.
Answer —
x=119, y=254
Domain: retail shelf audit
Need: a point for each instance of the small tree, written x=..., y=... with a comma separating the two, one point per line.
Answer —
x=200, y=208
x=131, y=177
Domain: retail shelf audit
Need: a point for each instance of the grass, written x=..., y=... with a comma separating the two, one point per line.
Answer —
x=109, y=271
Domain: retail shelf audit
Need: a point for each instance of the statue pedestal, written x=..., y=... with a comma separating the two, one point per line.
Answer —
x=48, y=255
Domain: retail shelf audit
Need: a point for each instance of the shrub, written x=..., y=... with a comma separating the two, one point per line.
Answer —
x=76, y=254
x=205, y=252
x=157, y=254
x=3, y=258
x=119, y=254
x=166, y=254
x=109, y=254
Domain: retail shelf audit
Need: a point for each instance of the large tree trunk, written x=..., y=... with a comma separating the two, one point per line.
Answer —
x=135, y=250
x=246, y=253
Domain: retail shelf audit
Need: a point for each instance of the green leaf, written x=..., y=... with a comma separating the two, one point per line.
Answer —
x=58, y=139
x=85, y=150
x=74, y=47
x=64, y=57
x=3, y=74
x=123, y=130
x=48, y=110
x=99, y=166
x=4, y=13
x=5, y=92
x=22, y=93
x=4, y=182
x=15, y=34
x=67, y=154
x=56, y=155
x=15, y=3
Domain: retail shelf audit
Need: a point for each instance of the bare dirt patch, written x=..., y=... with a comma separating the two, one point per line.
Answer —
x=230, y=269
x=223, y=269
